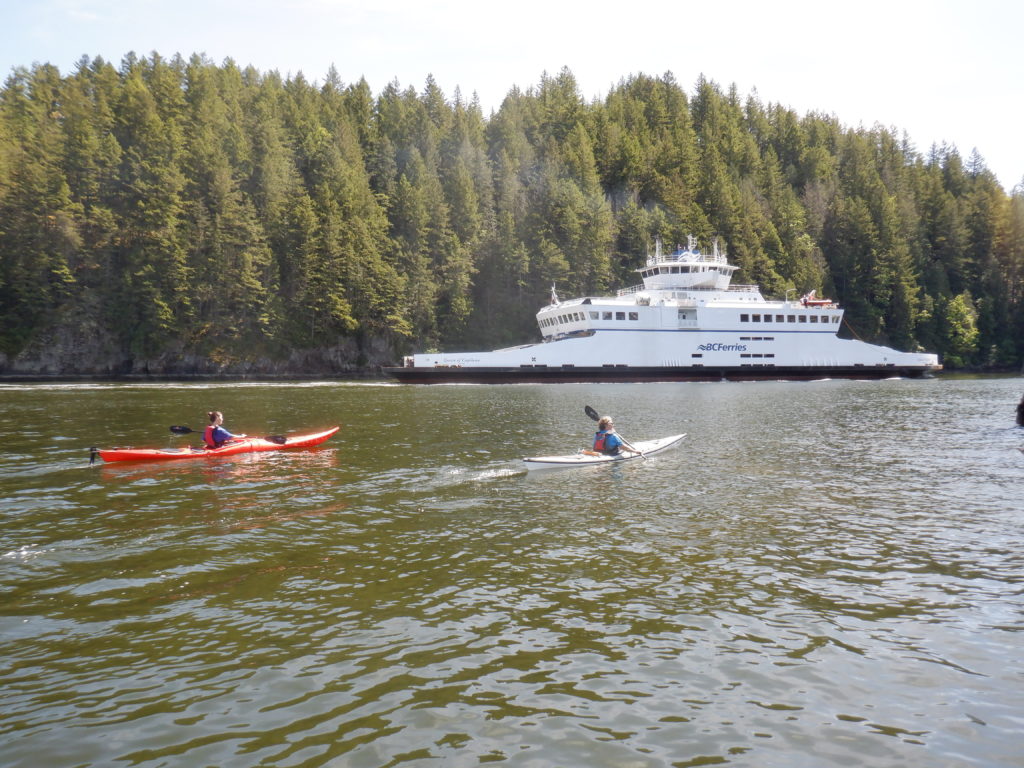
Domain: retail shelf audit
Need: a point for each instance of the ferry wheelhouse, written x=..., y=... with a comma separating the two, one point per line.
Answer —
x=684, y=322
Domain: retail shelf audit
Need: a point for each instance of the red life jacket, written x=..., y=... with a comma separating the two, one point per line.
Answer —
x=602, y=440
x=208, y=437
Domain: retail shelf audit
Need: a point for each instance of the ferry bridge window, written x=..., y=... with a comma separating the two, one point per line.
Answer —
x=803, y=318
x=594, y=315
x=606, y=315
x=756, y=318
x=780, y=319
x=814, y=318
x=790, y=318
x=620, y=315
x=835, y=319
x=767, y=318
x=634, y=316
x=675, y=270
x=744, y=318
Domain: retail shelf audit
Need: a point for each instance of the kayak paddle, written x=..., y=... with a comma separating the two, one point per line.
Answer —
x=596, y=417
x=279, y=439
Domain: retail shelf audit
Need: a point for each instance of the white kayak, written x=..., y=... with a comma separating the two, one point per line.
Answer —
x=646, y=448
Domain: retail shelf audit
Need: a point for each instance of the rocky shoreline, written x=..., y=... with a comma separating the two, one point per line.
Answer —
x=367, y=374
x=82, y=353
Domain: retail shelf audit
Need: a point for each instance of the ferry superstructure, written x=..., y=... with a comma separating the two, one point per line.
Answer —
x=684, y=322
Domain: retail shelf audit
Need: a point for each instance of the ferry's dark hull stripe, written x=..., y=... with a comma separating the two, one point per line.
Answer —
x=560, y=375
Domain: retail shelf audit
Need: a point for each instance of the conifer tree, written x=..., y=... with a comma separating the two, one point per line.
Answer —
x=39, y=236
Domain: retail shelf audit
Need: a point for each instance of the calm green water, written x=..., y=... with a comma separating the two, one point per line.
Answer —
x=823, y=574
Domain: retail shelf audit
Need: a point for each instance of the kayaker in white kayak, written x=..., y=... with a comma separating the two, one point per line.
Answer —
x=606, y=441
x=215, y=435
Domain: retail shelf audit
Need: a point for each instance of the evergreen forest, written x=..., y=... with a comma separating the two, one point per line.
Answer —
x=179, y=216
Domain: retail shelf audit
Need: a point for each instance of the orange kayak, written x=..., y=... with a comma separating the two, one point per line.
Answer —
x=241, y=445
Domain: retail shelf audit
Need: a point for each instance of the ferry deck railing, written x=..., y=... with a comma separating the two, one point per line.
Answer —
x=637, y=288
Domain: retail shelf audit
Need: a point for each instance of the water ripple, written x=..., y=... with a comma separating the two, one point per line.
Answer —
x=822, y=575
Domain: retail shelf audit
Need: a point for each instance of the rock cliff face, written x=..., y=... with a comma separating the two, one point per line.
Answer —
x=84, y=349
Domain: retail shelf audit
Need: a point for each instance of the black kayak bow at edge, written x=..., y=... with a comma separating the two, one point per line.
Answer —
x=596, y=417
x=279, y=439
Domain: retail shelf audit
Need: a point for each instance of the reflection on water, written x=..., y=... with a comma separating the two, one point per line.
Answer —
x=823, y=574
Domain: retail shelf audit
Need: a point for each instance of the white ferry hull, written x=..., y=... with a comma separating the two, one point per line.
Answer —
x=612, y=356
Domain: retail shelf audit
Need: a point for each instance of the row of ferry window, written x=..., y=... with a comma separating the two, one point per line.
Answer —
x=743, y=354
x=744, y=318
x=575, y=317
x=675, y=270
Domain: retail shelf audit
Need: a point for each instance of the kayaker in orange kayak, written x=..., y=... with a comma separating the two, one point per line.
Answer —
x=215, y=435
x=240, y=444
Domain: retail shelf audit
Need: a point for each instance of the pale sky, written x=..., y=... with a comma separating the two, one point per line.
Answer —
x=941, y=70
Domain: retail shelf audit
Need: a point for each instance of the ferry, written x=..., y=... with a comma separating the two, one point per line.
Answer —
x=684, y=322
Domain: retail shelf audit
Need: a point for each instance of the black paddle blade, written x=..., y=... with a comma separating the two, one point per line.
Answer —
x=591, y=413
x=182, y=430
